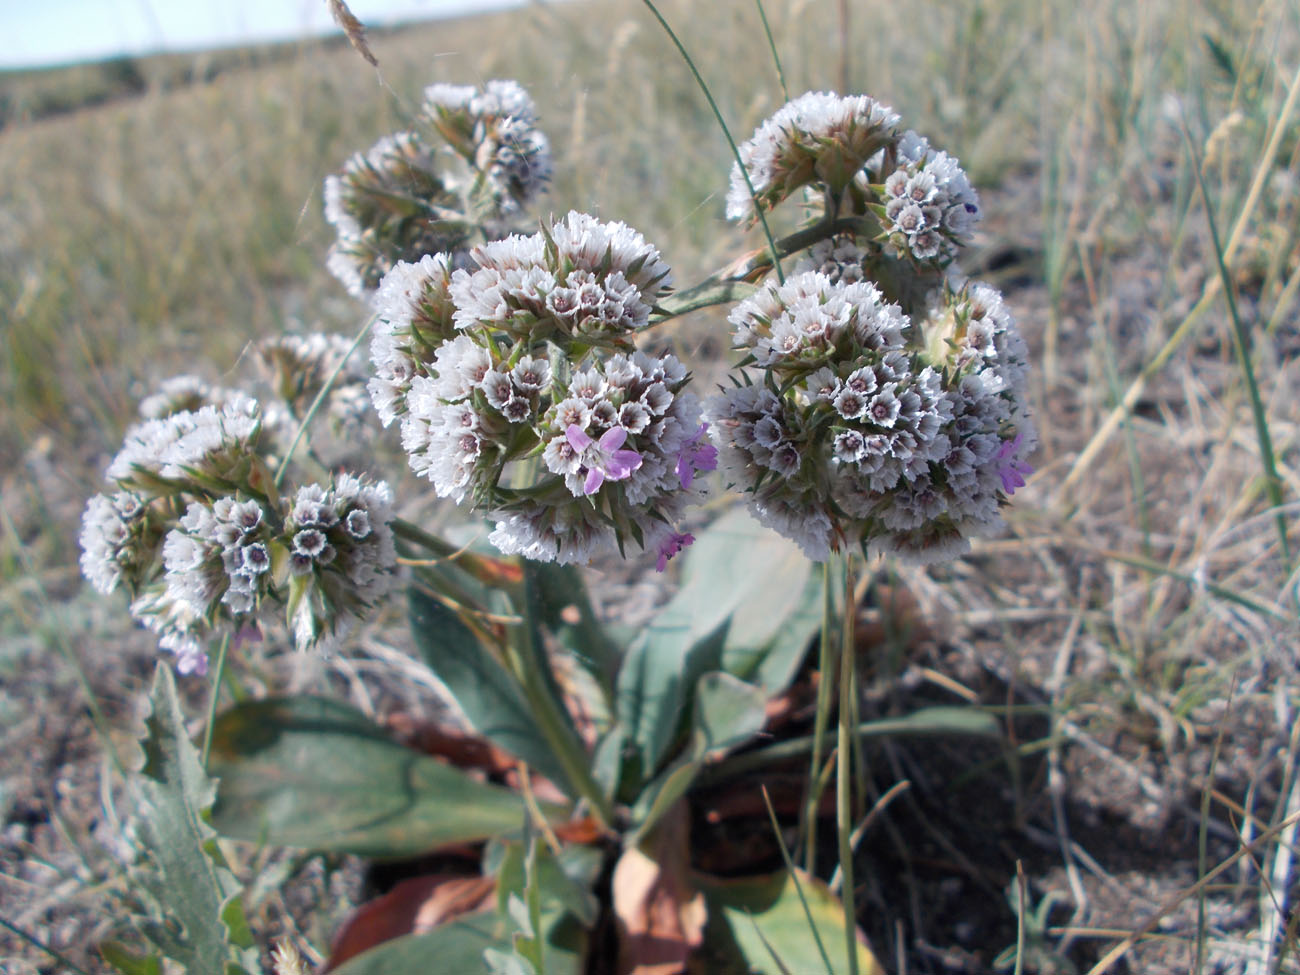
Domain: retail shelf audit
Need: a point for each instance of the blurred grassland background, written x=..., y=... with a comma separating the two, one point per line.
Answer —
x=159, y=214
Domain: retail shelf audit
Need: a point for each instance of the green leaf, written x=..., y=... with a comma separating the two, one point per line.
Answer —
x=772, y=658
x=771, y=927
x=199, y=922
x=314, y=773
x=456, y=947
x=747, y=604
x=129, y=963
x=487, y=695
x=553, y=589
x=728, y=713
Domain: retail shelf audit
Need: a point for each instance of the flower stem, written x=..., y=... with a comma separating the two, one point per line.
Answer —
x=526, y=661
x=320, y=398
x=215, y=697
x=825, y=665
x=844, y=765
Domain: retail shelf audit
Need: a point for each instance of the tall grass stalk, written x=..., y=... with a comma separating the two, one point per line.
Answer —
x=722, y=124
x=825, y=667
x=798, y=886
x=771, y=43
x=1242, y=342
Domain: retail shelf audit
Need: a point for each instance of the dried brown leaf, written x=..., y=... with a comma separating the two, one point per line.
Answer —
x=412, y=907
x=660, y=913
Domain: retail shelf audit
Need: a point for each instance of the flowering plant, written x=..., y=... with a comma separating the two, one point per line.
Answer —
x=878, y=406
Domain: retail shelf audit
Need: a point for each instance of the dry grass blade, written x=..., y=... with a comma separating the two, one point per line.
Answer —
x=1115, y=954
x=355, y=30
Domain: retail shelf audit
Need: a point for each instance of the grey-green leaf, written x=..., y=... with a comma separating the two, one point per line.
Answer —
x=313, y=773
x=489, y=698
x=771, y=926
x=456, y=947
x=200, y=922
x=748, y=604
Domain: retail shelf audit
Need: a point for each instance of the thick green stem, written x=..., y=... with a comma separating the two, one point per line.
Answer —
x=825, y=665
x=527, y=663
x=844, y=766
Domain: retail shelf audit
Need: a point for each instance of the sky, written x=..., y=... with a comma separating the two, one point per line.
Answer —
x=47, y=32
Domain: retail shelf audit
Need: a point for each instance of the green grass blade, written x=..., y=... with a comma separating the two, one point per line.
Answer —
x=789, y=865
x=735, y=149
x=320, y=398
x=771, y=43
x=1272, y=480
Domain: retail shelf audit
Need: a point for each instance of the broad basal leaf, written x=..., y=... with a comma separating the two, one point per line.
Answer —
x=313, y=773
x=772, y=927
x=456, y=947
x=748, y=605
x=489, y=698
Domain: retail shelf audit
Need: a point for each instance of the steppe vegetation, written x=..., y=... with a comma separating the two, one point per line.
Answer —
x=1134, y=633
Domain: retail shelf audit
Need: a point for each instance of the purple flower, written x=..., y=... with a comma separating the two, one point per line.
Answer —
x=673, y=544
x=694, y=458
x=1011, y=469
x=602, y=459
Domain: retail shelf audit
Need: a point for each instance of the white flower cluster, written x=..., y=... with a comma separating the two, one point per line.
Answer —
x=865, y=432
x=118, y=539
x=818, y=137
x=300, y=366
x=341, y=557
x=495, y=130
x=390, y=204
x=180, y=394
x=891, y=411
x=930, y=206
x=196, y=531
x=517, y=388
x=413, y=311
x=839, y=258
x=201, y=449
x=582, y=278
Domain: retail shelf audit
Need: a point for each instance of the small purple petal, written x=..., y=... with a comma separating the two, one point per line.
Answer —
x=621, y=464
x=613, y=438
x=577, y=438
x=595, y=478
x=671, y=546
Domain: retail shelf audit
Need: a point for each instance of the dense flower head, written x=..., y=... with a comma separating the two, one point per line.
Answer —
x=180, y=394
x=391, y=204
x=213, y=445
x=930, y=207
x=119, y=540
x=838, y=258
x=413, y=316
x=195, y=529
x=494, y=128
x=581, y=277
x=300, y=366
x=870, y=428
x=341, y=557
x=519, y=391
x=818, y=137
x=810, y=320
